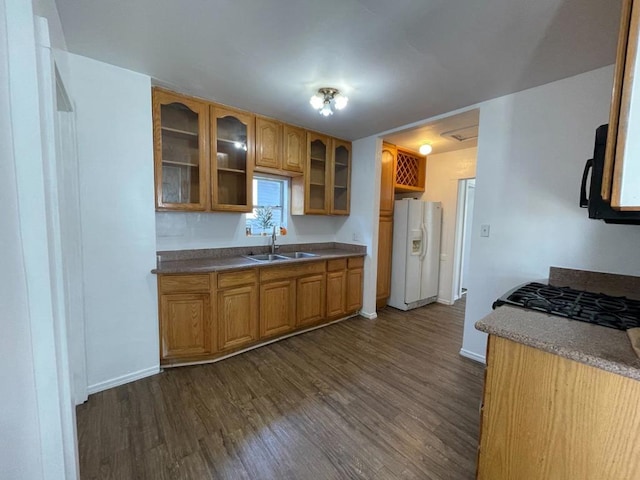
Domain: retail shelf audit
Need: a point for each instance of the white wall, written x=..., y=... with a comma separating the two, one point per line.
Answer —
x=187, y=230
x=444, y=170
x=363, y=219
x=531, y=152
x=113, y=108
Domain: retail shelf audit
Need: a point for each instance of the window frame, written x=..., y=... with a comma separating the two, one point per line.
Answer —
x=284, y=200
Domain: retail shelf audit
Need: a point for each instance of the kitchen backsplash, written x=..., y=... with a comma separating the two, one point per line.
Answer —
x=181, y=230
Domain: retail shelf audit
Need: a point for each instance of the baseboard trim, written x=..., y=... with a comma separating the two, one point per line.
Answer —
x=473, y=356
x=259, y=345
x=444, y=301
x=369, y=316
x=116, y=382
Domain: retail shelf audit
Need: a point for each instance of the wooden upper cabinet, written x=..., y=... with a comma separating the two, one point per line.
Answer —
x=294, y=149
x=387, y=179
x=340, y=164
x=621, y=177
x=326, y=186
x=232, y=159
x=268, y=143
x=410, y=171
x=318, y=174
x=181, y=142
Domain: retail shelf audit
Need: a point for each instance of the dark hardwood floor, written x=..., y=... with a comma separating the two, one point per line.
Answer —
x=363, y=399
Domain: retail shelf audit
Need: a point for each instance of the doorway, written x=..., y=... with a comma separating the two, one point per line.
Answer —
x=466, y=195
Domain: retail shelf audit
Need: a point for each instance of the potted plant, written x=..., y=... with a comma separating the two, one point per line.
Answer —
x=264, y=218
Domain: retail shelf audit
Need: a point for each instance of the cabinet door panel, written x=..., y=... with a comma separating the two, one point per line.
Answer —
x=181, y=150
x=311, y=299
x=318, y=174
x=354, y=290
x=232, y=159
x=340, y=177
x=237, y=316
x=277, y=308
x=385, y=241
x=336, y=294
x=387, y=180
x=185, y=325
x=267, y=143
x=294, y=149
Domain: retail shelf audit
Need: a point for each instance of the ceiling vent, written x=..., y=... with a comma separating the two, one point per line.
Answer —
x=463, y=134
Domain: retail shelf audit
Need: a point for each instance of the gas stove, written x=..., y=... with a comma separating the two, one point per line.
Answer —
x=614, y=312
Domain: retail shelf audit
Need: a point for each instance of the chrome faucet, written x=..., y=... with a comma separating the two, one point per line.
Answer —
x=274, y=247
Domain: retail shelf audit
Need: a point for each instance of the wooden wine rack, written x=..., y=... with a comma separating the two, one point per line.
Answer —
x=410, y=172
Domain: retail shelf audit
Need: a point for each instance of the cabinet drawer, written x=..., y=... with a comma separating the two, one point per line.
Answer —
x=233, y=279
x=184, y=283
x=291, y=271
x=335, y=265
x=356, y=262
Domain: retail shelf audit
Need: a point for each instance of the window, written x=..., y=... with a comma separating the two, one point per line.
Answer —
x=270, y=207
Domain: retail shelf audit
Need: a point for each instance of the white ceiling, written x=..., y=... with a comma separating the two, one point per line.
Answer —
x=398, y=61
x=437, y=133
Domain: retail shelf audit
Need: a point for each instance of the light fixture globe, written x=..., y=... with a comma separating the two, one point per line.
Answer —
x=317, y=101
x=425, y=149
x=321, y=101
x=340, y=101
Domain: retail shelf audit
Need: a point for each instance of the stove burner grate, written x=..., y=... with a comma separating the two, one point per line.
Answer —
x=614, y=312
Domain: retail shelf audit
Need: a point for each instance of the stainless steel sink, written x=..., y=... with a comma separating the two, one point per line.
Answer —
x=300, y=255
x=266, y=257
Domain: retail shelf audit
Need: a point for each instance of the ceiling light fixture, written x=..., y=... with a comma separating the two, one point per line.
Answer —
x=425, y=149
x=321, y=101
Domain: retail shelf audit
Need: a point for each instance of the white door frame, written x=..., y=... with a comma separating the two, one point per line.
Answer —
x=29, y=91
x=461, y=236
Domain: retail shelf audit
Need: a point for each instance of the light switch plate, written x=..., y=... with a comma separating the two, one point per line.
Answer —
x=484, y=230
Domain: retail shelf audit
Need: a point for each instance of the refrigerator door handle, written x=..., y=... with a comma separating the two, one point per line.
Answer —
x=425, y=241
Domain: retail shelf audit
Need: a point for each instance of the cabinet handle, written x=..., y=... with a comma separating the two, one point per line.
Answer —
x=584, y=201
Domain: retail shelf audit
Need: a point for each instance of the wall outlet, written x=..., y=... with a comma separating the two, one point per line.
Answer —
x=484, y=230
x=356, y=237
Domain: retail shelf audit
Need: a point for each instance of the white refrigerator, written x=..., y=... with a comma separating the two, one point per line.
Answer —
x=415, y=263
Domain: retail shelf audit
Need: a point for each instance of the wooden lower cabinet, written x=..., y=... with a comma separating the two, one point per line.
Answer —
x=354, y=289
x=310, y=296
x=547, y=417
x=185, y=325
x=237, y=316
x=385, y=242
x=336, y=294
x=277, y=308
x=204, y=316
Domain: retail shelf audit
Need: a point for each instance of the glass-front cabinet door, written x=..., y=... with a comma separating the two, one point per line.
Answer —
x=232, y=158
x=340, y=177
x=318, y=173
x=180, y=131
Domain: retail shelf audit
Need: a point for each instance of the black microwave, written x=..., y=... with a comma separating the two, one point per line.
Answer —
x=599, y=208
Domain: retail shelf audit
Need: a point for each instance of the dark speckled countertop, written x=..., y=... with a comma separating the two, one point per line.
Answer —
x=601, y=347
x=215, y=260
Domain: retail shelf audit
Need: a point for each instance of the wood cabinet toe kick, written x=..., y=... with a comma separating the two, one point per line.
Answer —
x=205, y=317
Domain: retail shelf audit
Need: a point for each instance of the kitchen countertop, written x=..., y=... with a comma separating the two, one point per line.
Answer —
x=600, y=347
x=216, y=260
